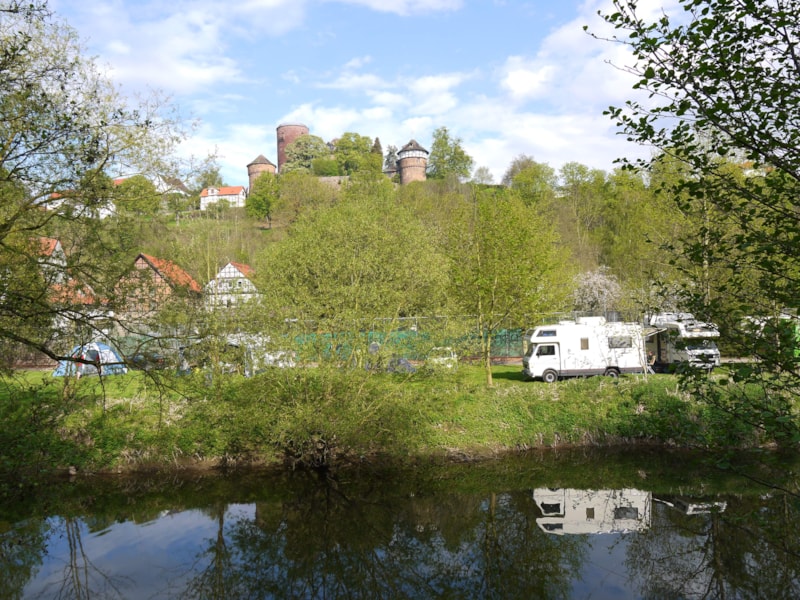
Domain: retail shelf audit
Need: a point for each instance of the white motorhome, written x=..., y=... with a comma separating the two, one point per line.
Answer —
x=681, y=339
x=572, y=511
x=586, y=346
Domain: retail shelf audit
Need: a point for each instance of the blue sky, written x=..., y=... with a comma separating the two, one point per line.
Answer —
x=506, y=77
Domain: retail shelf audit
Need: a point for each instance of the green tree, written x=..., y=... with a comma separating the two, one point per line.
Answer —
x=138, y=195
x=64, y=125
x=208, y=177
x=536, y=184
x=520, y=162
x=302, y=152
x=390, y=161
x=262, y=197
x=483, y=175
x=300, y=192
x=354, y=152
x=722, y=80
x=581, y=195
x=361, y=259
x=325, y=167
x=505, y=264
x=447, y=157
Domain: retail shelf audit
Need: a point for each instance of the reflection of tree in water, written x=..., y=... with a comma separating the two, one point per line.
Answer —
x=21, y=550
x=326, y=543
x=81, y=577
x=217, y=578
x=751, y=550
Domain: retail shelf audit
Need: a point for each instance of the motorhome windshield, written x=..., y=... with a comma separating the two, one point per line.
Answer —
x=701, y=345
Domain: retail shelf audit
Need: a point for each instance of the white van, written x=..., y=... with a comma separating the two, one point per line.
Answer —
x=586, y=346
x=682, y=339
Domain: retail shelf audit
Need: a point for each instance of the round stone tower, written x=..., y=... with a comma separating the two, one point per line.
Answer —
x=287, y=133
x=412, y=161
x=260, y=165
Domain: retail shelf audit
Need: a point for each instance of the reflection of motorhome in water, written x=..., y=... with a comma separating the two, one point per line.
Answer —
x=681, y=339
x=573, y=511
x=586, y=346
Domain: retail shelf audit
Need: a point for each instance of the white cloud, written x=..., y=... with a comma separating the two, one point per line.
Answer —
x=546, y=103
x=525, y=79
x=407, y=7
x=358, y=62
x=354, y=81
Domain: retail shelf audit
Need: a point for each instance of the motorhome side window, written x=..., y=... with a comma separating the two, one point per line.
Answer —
x=546, y=351
x=584, y=343
x=546, y=333
x=620, y=342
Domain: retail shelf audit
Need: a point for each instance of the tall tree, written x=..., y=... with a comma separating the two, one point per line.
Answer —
x=362, y=259
x=506, y=266
x=354, y=152
x=138, y=195
x=536, y=184
x=483, y=175
x=582, y=192
x=63, y=126
x=390, y=161
x=722, y=79
x=448, y=157
x=520, y=162
x=208, y=176
x=263, y=197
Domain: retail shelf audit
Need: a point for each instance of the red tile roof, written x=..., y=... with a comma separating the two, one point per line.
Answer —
x=72, y=293
x=244, y=269
x=230, y=190
x=172, y=273
x=48, y=245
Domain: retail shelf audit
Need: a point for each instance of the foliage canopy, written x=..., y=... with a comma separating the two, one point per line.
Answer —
x=722, y=79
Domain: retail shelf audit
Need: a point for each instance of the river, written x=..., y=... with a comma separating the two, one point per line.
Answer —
x=600, y=524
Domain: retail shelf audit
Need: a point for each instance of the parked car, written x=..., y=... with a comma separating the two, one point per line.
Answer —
x=442, y=357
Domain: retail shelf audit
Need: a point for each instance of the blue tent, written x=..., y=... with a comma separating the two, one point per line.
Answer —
x=101, y=359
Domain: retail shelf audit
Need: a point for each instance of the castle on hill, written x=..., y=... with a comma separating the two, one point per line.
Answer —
x=412, y=159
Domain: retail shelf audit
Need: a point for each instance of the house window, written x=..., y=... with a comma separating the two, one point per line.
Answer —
x=584, y=343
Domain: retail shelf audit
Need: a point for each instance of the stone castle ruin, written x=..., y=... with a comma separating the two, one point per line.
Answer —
x=412, y=159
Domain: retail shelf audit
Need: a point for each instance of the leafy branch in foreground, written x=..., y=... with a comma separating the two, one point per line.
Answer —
x=722, y=84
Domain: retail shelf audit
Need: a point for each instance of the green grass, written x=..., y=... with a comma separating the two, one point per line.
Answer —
x=322, y=415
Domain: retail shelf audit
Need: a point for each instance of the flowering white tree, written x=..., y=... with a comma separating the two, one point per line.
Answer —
x=596, y=291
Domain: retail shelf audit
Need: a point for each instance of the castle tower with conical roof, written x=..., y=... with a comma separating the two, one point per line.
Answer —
x=412, y=161
x=260, y=165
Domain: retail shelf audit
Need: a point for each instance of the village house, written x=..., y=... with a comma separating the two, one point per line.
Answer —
x=52, y=259
x=153, y=283
x=232, y=286
x=234, y=195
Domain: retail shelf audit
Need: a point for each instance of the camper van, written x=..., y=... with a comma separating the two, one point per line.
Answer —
x=574, y=511
x=680, y=339
x=586, y=346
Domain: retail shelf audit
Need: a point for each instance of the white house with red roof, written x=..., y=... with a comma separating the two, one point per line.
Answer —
x=234, y=195
x=232, y=286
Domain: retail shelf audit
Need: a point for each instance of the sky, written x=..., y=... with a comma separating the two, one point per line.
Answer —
x=505, y=77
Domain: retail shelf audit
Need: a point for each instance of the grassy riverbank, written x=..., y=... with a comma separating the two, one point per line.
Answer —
x=324, y=416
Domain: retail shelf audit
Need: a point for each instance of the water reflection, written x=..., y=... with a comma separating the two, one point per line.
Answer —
x=463, y=532
x=593, y=511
